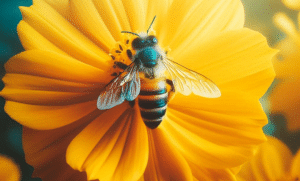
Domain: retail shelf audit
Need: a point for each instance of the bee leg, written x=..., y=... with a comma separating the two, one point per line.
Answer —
x=170, y=82
x=114, y=74
x=172, y=89
x=121, y=65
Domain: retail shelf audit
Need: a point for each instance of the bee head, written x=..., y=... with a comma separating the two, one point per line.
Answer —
x=139, y=43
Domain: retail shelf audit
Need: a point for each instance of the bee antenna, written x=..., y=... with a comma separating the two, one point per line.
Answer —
x=130, y=33
x=151, y=24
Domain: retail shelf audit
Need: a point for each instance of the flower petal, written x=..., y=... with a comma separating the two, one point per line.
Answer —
x=292, y=4
x=61, y=6
x=45, y=150
x=86, y=17
x=31, y=39
x=136, y=12
x=158, y=8
x=284, y=99
x=9, y=170
x=114, y=16
x=48, y=98
x=165, y=162
x=206, y=174
x=238, y=60
x=189, y=23
x=271, y=162
x=113, y=147
x=56, y=66
x=46, y=91
x=286, y=64
x=48, y=117
x=285, y=24
x=215, y=133
x=23, y=81
x=51, y=25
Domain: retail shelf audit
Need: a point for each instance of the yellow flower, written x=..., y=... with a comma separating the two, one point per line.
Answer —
x=292, y=4
x=273, y=162
x=284, y=98
x=9, y=170
x=52, y=89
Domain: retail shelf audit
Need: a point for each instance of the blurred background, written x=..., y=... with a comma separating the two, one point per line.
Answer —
x=259, y=17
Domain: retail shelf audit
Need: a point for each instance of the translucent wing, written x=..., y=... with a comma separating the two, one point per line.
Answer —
x=124, y=87
x=187, y=81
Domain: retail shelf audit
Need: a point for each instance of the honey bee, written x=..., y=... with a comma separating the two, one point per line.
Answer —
x=145, y=80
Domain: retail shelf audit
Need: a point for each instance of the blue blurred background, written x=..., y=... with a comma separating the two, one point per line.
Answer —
x=259, y=14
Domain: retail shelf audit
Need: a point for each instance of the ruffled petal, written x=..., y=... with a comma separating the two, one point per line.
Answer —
x=56, y=66
x=48, y=117
x=215, y=133
x=9, y=170
x=239, y=60
x=272, y=162
x=165, y=162
x=190, y=23
x=46, y=150
x=113, y=147
x=56, y=29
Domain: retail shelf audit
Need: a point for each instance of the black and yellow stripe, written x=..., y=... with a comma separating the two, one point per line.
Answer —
x=153, y=99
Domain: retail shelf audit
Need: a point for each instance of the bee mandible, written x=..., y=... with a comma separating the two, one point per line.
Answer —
x=145, y=80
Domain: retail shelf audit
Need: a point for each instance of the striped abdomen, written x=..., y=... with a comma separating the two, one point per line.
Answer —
x=152, y=101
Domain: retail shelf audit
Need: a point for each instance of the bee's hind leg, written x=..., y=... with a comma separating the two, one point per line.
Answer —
x=171, y=89
x=170, y=82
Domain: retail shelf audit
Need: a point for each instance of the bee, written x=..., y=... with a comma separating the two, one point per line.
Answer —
x=145, y=80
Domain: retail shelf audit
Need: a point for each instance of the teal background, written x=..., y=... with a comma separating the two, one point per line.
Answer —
x=11, y=131
x=259, y=15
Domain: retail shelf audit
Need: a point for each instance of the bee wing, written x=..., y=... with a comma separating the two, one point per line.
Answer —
x=187, y=81
x=124, y=87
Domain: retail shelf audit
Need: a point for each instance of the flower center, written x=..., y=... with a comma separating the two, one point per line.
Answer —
x=121, y=55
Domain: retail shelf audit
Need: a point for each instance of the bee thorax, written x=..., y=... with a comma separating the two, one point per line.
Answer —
x=148, y=57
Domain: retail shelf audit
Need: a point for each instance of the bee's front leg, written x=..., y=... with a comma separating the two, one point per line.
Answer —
x=171, y=90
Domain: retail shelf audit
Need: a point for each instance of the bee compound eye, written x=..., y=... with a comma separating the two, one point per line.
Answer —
x=138, y=43
x=152, y=39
